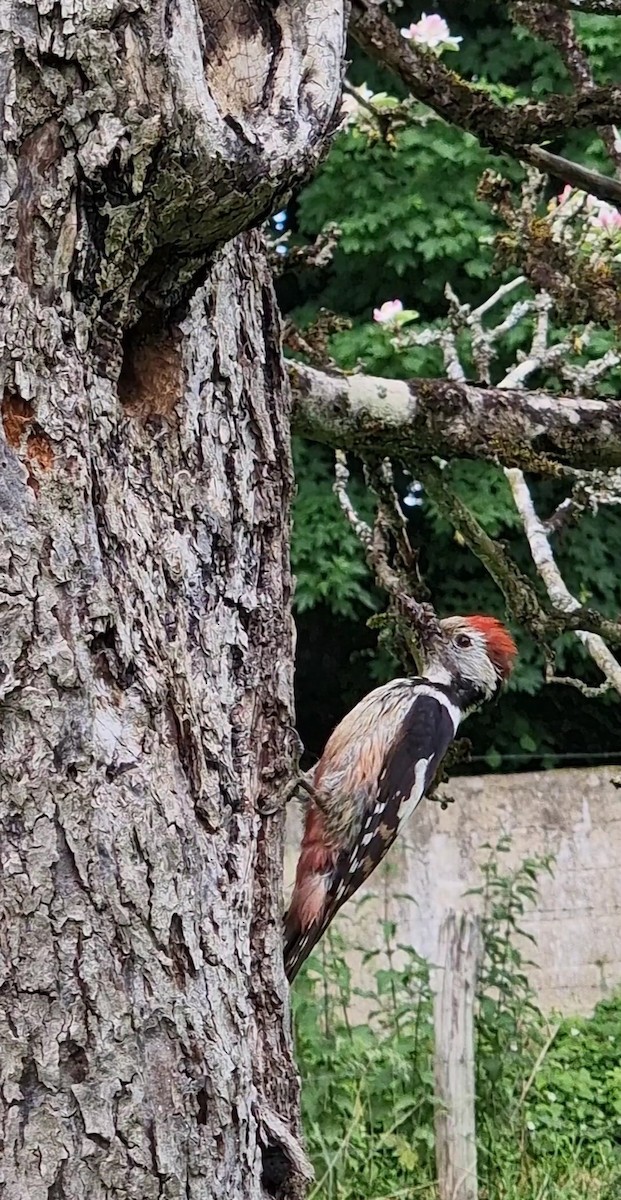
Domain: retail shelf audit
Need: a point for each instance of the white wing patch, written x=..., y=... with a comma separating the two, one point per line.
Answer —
x=416, y=795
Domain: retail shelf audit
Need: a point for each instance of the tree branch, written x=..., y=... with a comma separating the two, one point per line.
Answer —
x=602, y=186
x=556, y=25
x=407, y=421
x=505, y=129
x=605, y=8
x=555, y=585
x=523, y=602
x=423, y=628
x=359, y=408
x=522, y=599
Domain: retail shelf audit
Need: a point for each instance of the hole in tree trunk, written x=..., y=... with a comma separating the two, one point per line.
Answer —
x=151, y=382
x=276, y=1170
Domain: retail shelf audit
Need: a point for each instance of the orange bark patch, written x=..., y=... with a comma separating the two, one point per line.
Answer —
x=17, y=415
x=17, y=419
x=151, y=381
x=39, y=450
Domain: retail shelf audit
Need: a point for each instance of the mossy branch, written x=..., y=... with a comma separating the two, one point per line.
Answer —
x=512, y=129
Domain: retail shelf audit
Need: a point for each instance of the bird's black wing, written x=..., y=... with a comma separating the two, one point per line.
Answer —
x=407, y=772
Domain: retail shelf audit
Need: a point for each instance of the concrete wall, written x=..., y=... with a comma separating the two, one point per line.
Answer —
x=574, y=815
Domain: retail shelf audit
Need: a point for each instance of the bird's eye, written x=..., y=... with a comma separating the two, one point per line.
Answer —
x=463, y=641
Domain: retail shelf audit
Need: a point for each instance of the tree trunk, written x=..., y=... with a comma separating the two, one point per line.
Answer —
x=146, y=647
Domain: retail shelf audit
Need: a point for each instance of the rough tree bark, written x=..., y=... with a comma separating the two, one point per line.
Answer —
x=146, y=636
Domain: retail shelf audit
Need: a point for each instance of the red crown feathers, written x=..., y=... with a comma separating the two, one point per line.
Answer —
x=501, y=648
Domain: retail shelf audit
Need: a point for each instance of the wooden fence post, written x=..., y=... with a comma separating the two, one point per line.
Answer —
x=456, y=1151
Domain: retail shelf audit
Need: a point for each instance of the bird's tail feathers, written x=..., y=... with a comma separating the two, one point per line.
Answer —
x=300, y=937
x=307, y=916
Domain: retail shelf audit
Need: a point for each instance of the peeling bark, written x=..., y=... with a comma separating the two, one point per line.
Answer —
x=146, y=638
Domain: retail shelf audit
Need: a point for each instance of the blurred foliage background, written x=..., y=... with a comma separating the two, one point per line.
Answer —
x=409, y=223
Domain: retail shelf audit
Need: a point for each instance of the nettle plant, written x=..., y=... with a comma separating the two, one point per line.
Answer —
x=547, y=1088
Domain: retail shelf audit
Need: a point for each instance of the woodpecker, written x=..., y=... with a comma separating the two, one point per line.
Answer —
x=377, y=766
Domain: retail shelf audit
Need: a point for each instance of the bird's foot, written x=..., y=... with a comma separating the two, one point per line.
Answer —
x=295, y=786
x=443, y=800
x=297, y=783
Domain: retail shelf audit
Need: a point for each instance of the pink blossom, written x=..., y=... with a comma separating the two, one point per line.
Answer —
x=389, y=310
x=431, y=32
x=350, y=107
x=607, y=217
x=600, y=214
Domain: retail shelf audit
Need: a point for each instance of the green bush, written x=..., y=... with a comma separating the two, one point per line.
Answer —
x=548, y=1090
x=575, y=1101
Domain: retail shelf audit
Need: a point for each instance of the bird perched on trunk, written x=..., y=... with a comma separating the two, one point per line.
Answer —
x=377, y=766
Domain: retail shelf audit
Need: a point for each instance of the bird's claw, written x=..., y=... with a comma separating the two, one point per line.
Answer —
x=287, y=792
x=299, y=784
x=443, y=801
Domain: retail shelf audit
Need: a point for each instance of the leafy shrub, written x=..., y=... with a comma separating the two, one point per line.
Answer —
x=548, y=1091
x=575, y=1101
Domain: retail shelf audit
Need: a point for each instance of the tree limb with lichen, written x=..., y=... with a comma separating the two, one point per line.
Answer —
x=418, y=418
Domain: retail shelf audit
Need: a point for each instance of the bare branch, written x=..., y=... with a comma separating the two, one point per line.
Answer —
x=591, y=692
x=582, y=378
x=363, y=532
x=421, y=618
x=536, y=533
x=602, y=186
x=555, y=585
x=517, y=590
x=591, y=490
x=391, y=517
x=556, y=26
x=563, y=514
x=314, y=255
x=522, y=600
x=605, y=8
x=357, y=409
x=504, y=290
